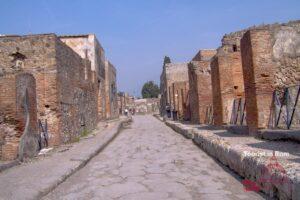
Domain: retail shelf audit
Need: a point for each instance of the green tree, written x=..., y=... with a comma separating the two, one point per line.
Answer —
x=150, y=90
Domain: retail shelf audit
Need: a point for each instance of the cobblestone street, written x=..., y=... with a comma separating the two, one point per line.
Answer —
x=148, y=160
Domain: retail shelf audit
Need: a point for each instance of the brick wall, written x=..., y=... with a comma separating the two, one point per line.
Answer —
x=204, y=55
x=66, y=92
x=227, y=77
x=13, y=88
x=200, y=94
x=270, y=61
x=41, y=62
x=216, y=94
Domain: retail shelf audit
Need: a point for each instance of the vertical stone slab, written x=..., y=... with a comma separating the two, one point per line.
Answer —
x=26, y=103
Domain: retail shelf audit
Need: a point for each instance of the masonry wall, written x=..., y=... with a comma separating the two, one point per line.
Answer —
x=65, y=90
x=111, y=91
x=172, y=72
x=179, y=99
x=216, y=94
x=41, y=62
x=200, y=94
x=227, y=77
x=87, y=46
x=270, y=62
x=147, y=106
x=204, y=55
x=77, y=94
x=16, y=89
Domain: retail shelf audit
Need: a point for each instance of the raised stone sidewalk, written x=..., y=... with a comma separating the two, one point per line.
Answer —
x=37, y=177
x=251, y=158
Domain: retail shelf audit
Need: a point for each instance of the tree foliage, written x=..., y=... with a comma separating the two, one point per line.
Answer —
x=150, y=90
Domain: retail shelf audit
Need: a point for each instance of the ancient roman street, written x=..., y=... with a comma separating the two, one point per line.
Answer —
x=149, y=160
x=149, y=100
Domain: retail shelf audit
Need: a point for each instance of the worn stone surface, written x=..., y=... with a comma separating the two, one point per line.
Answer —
x=150, y=161
x=251, y=158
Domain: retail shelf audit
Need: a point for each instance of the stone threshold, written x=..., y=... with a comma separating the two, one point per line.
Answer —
x=230, y=150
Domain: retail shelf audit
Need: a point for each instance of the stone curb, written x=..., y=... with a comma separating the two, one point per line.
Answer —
x=249, y=167
x=9, y=165
x=85, y=160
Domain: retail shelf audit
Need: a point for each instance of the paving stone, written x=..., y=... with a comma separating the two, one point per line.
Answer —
x=157, y=163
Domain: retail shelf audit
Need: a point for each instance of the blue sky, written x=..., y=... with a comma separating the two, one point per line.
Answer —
x=137, y=34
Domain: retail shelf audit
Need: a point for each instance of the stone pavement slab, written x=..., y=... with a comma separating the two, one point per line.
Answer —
x=149, y=161
x=251, y=158
x=34, y=179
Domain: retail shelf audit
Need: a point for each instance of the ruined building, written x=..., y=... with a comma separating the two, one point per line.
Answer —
x=174, y=84
x=200, y=94
x=227, y=80
x=125, y=101
x=61, y=87
x=147, y=106
x=88, y=47
x=111, y=91
x=271, y=67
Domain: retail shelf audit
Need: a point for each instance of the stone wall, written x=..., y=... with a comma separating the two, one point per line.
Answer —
x=87, y=46
x=147, y=106
x=77, y=93
x=112, y=110
x=271, y=60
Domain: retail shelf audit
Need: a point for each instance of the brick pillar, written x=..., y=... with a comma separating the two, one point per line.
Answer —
x=200, y=90
x=258, y=70
x=217, y=100
x=223, y=88
x=227, y=83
